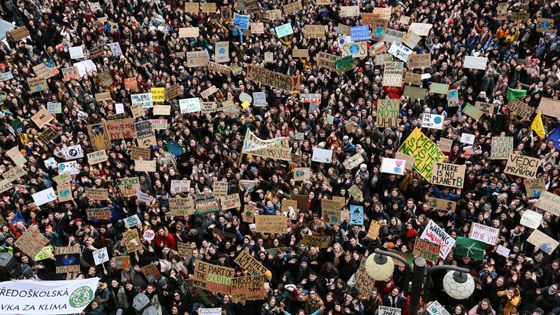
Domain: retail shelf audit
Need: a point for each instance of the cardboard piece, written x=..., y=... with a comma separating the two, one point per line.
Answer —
x=522, y=166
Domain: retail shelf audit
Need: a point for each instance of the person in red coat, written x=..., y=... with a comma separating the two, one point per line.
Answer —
x=163, y=238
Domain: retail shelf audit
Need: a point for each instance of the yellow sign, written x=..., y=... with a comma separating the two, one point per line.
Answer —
x=425, y=152
x=158, y=94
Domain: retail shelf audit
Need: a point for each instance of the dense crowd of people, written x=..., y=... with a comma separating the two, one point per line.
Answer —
x=207, y=147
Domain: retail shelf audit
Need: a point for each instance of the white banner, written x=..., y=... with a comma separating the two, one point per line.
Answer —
x=393, y=166
x=432, y=121
x=484, y=233
x=189, y=105
x=46, y=297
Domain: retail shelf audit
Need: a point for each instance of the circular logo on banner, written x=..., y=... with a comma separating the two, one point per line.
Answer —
x=244, y=97
x=149, y=235
x=437, y=120
x=81, y=297
x=222, y=51
x=354, y=49
x=73, y=152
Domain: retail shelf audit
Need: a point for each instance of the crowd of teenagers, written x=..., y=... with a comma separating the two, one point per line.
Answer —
x=200, y=147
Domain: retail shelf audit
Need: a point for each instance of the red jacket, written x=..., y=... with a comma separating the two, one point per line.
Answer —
x=169, y=240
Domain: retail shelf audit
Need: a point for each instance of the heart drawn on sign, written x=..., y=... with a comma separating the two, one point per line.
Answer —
x=399, y=163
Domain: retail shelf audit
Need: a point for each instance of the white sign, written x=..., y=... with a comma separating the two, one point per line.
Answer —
x=73, y=152
x=393, y=166
x=432, y=121
x=149, y=235
x=484, y=233
x=259, y=99
x=85, y=67
x=119, y=108
x=189, y=105
x=210, y=311
x=70, y=167
x=131, y=221
x=386, y=310
x=504, y=251
x=5, y=76
x=142, y=99
x=435, y=308
x=400, y=51
x=475, y=62
x=44, y=196
x=76, y=52
x=143, y=197
x=50, y=163
x=467, y=138
x=435, y=234
x=222, y=52
x=46, y=297
x=100, y=256
x=322, y=155
x=531, y=219
x=422, y=29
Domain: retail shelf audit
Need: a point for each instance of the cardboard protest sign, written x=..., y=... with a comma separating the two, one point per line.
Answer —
x=67, y=259
x=249, y=263
x=502, y=147
x=314, y=31
x=445, y=144
x=122, y=262
x=446, y=174
x=373, y=231
x=99, y=213
x=277, y=224
x=14, y=173
x=549, y=202
x=392, y=166
x=197, y=59
x=145, y=165
x=413, y=78
x=420, y=61
x=275, y=79
x=230, y=202
x=522, y=166
x=128, y=186
x=208, y=7
x=531, y=219
x=472, y=62
x=189, y=32
x=213, y=278
x=502, y=11
x=549, y=107
x=436, y=234
x=326, y=60
x=424, y=150
x=179, y=185
x=484, y=233
x=151, y=272
x=181, y=206
x=534, y=186
x=353, y=161
x=16, y=156
x=392, y=74
x=392, y=36
x=292, y=8
x=42, y=118
x=290, y=209
x=64, y=192
x=426, y=249
x=330, y=210
x=520, y=108
x=120, y=128
x=472, y=111
x=432, y=121
x=132, y=240
x=221, y=53
x=31, y=241
x=411, y=39
x=17, y=33
x=206, y=205
x=220, y=188
x=386, y=310
x=317, y=241
x=99, y=194
x=364, y=283
x=439, y=88
x=543, y=242
x=414, y=92
x=349, y=11
x=355, y=192
x=138, y=153
x=277, y=148
x=442, y=204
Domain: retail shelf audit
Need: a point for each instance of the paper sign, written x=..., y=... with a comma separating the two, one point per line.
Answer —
x=44, y=196
x=16, y=156
x=411, y=39
x=400, y=51
x=284, y=30
x=393, y=166
x=277, y=224
x=302, y=173
x=522, y=166
x=42, y=117
x=181, y=206
x=122, y=262
x=445, y=144
x=432, y=121
x=206, y=205
x=467, y=138
x=420, y=61
x=242, y=21
x=189, y=105
x=436, y=234
x=318, y=241
x=446, y=174
x=503, y=251
x=388, y=113
x=349, y=11
x=386, y=310
x=314, y=31
x=531, y=219
x=439, y=88
x=76, y=52
x=543, y=242
x=520, y=108
x=422, y=29
x=475, y=62
x=322, y=156
x=221, y=52
x=356, y=215
x=230, y=202
x=484, y=233
x=359, y=33
x=501, y=148
x=197, y=59
x=100, y=256
x=549, y=202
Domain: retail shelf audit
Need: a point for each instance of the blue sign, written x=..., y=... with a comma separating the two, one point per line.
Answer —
x=359, y=33
x=242, y=21
x=356, y=215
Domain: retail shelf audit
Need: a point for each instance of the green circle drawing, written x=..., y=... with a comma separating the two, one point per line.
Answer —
x=81, y=297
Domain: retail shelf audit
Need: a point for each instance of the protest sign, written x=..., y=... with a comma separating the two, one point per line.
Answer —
x=355, y=192
x=356, y=215
x=207, y=205
x=543, y=242
x=423, y=150
x=64, y=192
x=314, y=31
x=349, y=11
x=210, y=311
x=5, y=185
x=71, y=167
x=534, y=186
x=442, y=204
x=145, y=134
x=531, y=219
x=484, y=233
x=502, y=147
x=249, y=263
x=545, y=25
x=330, y=210
x=392, y=166
x=432, y=121
x=179, y=185
x=64, y=296
x=317, y=241
x=386, y=310
x=284, y=30
x=436, y=234
x=174, y=91
x=259, y=99
x=393, y=36
x=99, y=194
x=472, y=111
x=230, y=202
x=413, y=78
x=522, y=166
x=103, y=96
x=420, y=61
x=326, y=60
x=277, y=224
x=549, y=107
x=189, y=105
x=520, y=108
x=131, y=84
x=42, y=117
x=242, y=21
x=411, y=39
x=197, y=59
x=128, y=186
x=120, y=129
x=99, y=213
x=181, y=206
x=446, y=174
x=122, y=262
x=277, y=148
x=145, y=165
x=360, y=33
x=364, y=283
x=158, y=95
x=392, y=74
x=213, y=278
x=70, y=73
x=467, y=138
x=67, y=259
x=344, y=64
x=100, y=256
x=54, y=107
x=208, y=7
x=549, y=202
x=472, y=62
x=16, y=156
x=289, y=209
x=503, y=251
x=138, y=153
x=189, y=32
x=221, y=52
x=272, y=78
x=17, y=33
x=220, y=188
x=373, y=231
x=163, y=110
x=44, y=196
x=400, y=51
x=5, y=76
x=439, y=88
x=31, y=241
x=445, y=144
x=72, y=152
x=322, y=155
x=414, y=92
x=426, y=249
x=132, y=240
x=292, y=8
x=208, y=92
x=435, y=308
x=353, y=161
x=151, y=272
